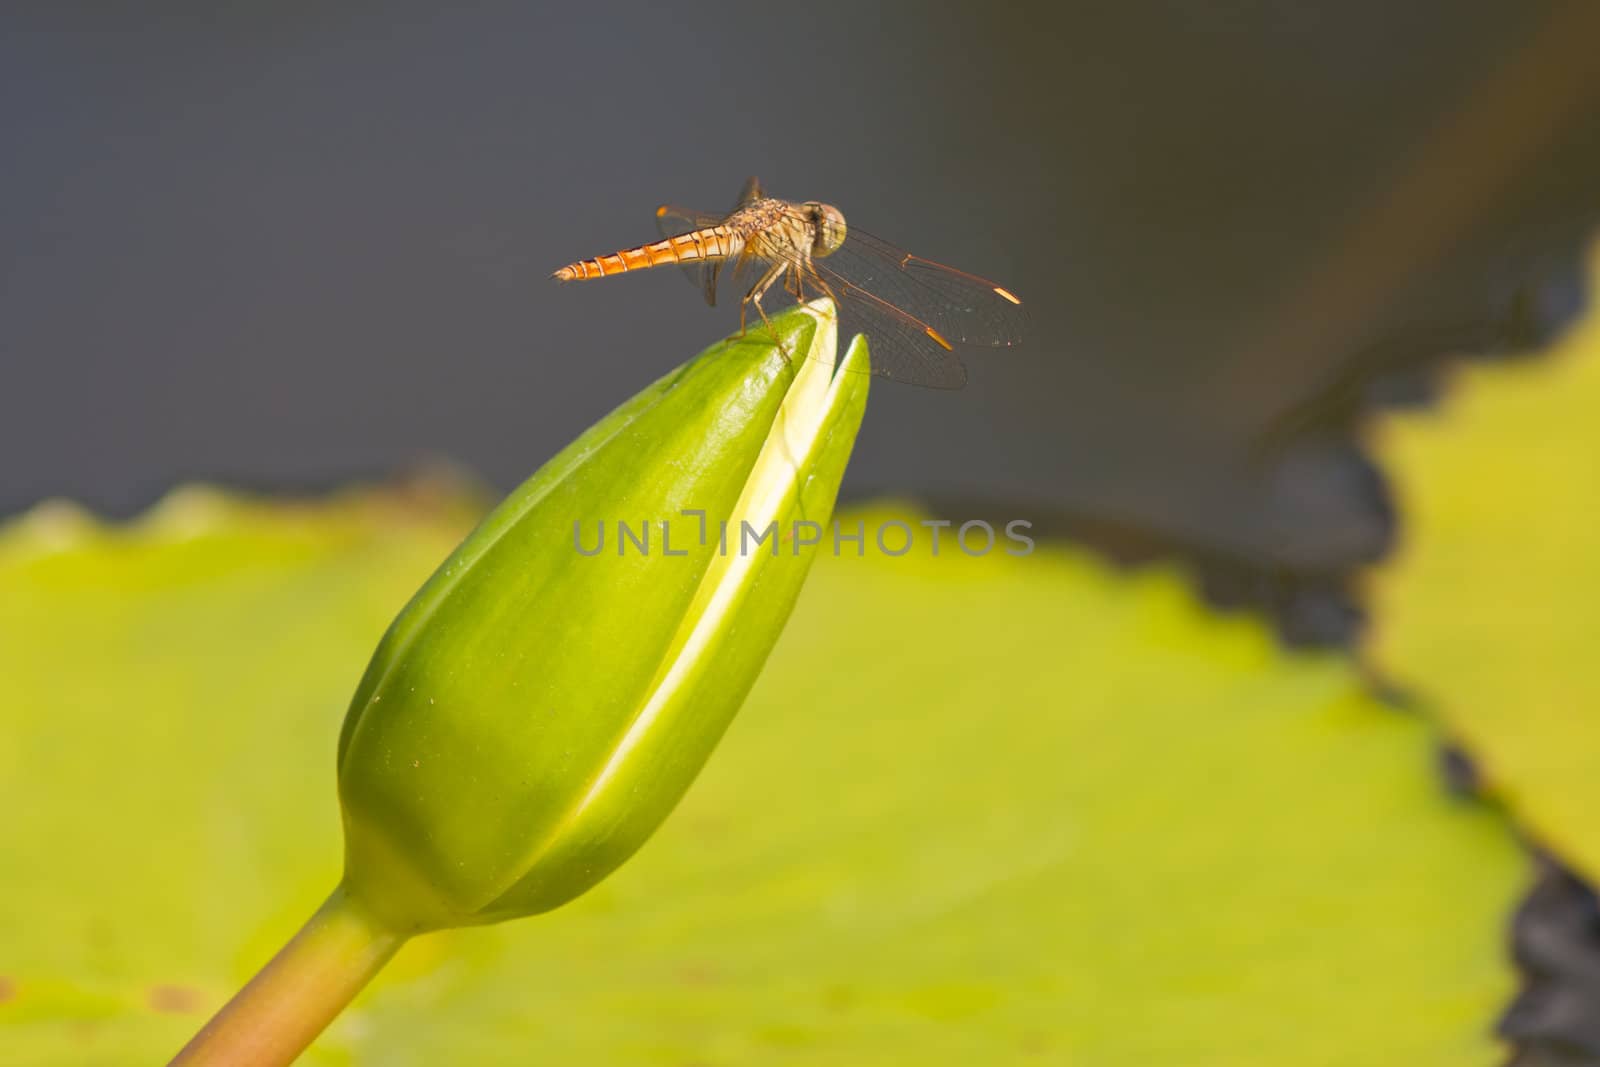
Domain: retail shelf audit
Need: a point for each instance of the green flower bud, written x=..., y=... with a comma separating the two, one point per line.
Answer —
x=542, y=703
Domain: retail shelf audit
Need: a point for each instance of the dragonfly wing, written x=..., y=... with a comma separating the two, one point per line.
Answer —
x=915, y=311
x=962, y=307
x=672, y=220
x=749, y=193
x=902, y=347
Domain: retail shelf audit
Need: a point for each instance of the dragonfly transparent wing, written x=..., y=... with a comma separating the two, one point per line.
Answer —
x=671, y=221
x=915, y=311
x=963, y=307
x=902, y=347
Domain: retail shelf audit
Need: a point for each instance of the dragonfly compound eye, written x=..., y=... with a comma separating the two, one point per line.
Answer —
x=830, y=229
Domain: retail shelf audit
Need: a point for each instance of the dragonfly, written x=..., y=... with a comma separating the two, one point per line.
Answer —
x=914, y=311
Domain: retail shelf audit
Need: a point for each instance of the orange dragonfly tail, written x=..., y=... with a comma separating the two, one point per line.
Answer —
x=712, y=242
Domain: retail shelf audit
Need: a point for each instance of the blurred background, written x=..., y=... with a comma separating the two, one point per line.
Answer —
x=283, y=246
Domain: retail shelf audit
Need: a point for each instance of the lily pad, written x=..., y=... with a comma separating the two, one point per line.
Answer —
x=1492, y=610
x=979, y=810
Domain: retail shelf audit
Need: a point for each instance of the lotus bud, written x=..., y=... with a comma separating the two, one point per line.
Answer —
x=543, y=702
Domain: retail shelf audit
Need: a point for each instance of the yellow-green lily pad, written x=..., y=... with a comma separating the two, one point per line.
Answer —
x=1492, y=609
x=977, y=811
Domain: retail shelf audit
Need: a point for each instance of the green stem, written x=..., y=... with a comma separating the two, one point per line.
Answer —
x=288, y=1003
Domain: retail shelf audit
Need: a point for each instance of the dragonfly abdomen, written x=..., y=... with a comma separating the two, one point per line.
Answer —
x=713, y=242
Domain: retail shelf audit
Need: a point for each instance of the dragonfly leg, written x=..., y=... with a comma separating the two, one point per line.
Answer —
x=822, y=286
x=826, y=289
x=738, y=266
x=754, y=296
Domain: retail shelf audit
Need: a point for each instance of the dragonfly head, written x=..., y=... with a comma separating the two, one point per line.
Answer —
x=827, y=223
